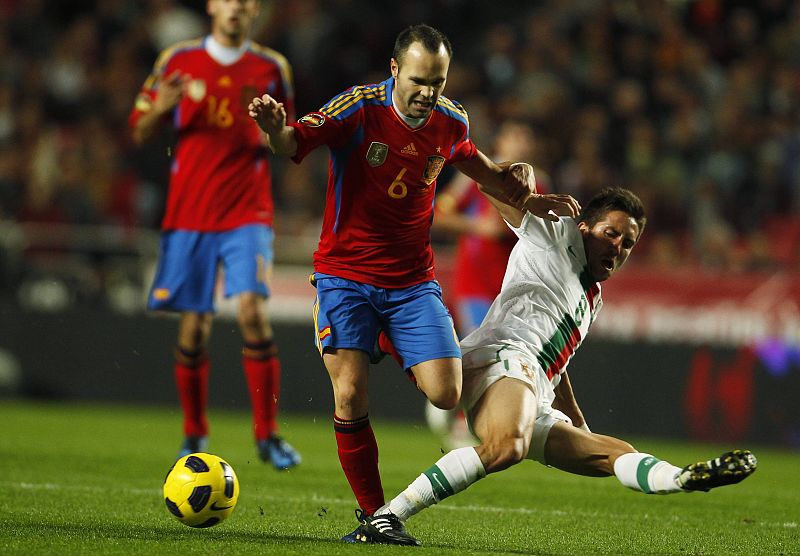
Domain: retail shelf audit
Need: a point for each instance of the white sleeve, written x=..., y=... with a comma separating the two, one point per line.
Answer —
x=540, y=232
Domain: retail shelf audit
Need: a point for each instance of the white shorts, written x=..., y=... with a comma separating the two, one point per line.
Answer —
x=485, y=366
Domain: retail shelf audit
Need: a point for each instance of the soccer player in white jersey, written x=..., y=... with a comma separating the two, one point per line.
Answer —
x=516, y=391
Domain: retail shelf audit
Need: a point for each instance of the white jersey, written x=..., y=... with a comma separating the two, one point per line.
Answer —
x=546, y=304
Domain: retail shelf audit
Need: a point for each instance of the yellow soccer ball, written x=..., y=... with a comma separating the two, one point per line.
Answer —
x=201, y=490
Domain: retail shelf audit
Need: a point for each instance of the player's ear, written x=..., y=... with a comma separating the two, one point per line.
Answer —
x=394, y=67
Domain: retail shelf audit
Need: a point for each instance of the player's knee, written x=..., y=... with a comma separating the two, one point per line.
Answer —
x=445, y=396
x=503, y=453
x=251, y=318
x=348, y=394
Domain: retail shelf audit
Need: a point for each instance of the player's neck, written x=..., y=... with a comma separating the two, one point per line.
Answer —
x=222, y=52
x=410, y=122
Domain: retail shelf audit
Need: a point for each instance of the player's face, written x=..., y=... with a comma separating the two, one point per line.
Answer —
x=609, y=242
x=231, y=19
x=419, y=79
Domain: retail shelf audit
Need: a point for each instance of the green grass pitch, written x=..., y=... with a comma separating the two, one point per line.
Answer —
x=87, y=479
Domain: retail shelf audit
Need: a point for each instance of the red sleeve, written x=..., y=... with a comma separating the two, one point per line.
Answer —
x=147, y=94
x=464, y=149
x=316, y=129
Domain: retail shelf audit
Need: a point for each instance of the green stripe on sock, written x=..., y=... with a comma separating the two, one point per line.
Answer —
x=643, y=471
x=441, y=486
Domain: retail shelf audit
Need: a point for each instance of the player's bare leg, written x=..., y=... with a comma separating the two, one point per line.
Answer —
x=584, y=453
x=191, y=378
x=440, y=381
x=348, y=370
x=358, y=450
x=194, y=330
x=263, y=373
x=503, y=419
x=576, y=451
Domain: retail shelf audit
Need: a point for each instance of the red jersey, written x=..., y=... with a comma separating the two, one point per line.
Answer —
x=220, y=175
x=381, y=183
x=481, y=261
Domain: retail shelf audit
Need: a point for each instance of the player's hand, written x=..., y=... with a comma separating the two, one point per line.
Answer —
x=269, y=114
x=520, y=184
x=170, y=91
x=551, y=207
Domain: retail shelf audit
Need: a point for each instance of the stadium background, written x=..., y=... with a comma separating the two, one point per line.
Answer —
x=694, y=105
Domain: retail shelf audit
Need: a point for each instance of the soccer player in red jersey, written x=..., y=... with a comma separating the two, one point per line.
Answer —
x=374, y=268
x=219, y=209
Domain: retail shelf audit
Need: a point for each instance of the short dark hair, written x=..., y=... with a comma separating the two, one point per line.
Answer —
x=426, y=35
x=614, y=198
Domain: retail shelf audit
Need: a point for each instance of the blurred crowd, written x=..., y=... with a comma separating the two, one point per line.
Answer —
x=695, y=105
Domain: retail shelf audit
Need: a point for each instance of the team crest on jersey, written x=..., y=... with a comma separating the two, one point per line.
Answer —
x=432, y=169
x=196, y=90
x=376, y=154
x=312, y=120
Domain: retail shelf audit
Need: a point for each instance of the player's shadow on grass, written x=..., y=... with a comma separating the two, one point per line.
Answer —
x=97, y=533
x=139, y=532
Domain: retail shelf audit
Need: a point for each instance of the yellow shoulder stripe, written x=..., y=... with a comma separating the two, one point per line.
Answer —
x=346, y=100
x=447, y=103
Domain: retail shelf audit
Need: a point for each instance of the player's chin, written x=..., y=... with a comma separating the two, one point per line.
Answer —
x=421, y=110
x=600, y=273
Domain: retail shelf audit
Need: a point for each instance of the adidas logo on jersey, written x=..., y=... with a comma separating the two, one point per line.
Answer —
x=409, y=149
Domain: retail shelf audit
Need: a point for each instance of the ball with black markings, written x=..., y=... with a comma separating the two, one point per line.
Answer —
x=201, y=490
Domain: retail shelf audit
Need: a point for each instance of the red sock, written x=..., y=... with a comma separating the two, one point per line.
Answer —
x=191, y=378
x=358, y=454
x=386, y=345
x=262, y=369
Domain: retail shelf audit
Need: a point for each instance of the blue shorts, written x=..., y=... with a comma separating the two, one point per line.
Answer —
x=470, y=312
x=348, y=314
x=187, y=269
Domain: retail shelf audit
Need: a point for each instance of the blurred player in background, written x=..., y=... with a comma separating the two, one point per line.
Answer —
x=374, y=267
x=517, y=394
x=219, y=210
x=483, y=246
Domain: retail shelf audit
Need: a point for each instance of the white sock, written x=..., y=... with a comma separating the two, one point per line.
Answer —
x=454, y=472
x=647, y=474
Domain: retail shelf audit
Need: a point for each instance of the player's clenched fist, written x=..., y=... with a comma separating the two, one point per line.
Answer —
x=269, y=114
x=521, y=184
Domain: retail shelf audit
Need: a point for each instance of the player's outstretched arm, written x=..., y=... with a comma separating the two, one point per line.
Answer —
x=511, y=187
x=170, y=92
x=270, y=115
x=566, y=403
